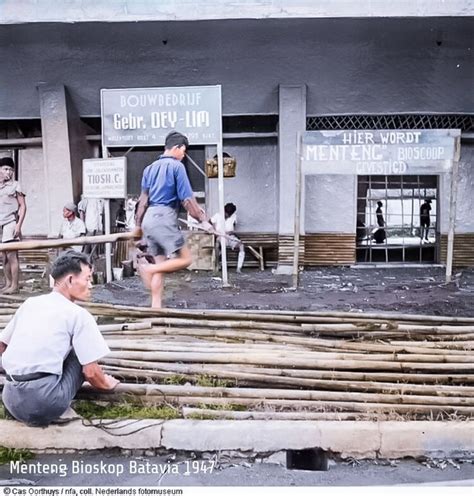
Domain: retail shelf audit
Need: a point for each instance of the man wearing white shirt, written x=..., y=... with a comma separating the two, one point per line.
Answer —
x=228, y=227
x=72, y=226
x=52, y=345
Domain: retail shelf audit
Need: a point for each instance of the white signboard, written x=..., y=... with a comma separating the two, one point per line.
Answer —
x=379, y=152
x=144, y=116
x=104, y=177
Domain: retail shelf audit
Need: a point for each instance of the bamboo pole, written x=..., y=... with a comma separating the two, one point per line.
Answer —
x=166, y=390
x=296, y=344
x=201, y=353
x=137, y=326
x=269, y=314
x=194, y=373
x=324, y=406
x=417, y=378
x=291, y=362
x=64, y=243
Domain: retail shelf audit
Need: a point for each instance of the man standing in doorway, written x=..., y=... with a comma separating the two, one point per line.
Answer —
x=12, y=215
x=425, y=219
x=165, y=185
x=379, y=235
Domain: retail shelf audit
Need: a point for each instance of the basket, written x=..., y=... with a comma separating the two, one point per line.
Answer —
x=230, y=165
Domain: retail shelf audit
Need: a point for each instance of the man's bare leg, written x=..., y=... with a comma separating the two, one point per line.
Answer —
x=14, y=270
x=147, y=276
x=7, y=272
x=241, y=258
x=157, y=286
x=180, y=262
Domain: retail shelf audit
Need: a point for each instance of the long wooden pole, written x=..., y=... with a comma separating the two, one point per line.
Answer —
x=297, y=226
x=452, y=221
x=64, y=243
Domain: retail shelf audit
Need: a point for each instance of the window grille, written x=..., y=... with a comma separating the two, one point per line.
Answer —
x=405, y=121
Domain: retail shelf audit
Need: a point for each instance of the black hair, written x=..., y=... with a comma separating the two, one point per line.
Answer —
x=70, y=262
x=380, y=204
x=175, y=139
x=229, y=208
x=8, y=161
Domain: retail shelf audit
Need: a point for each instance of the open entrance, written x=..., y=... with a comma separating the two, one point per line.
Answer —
x=397, y=219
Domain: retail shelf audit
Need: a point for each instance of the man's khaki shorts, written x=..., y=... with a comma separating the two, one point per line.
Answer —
x=7, y=232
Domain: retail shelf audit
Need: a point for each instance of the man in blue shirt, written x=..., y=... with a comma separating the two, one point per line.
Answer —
x=165, y=185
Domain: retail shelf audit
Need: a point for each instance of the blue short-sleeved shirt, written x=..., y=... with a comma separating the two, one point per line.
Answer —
x=166, y=182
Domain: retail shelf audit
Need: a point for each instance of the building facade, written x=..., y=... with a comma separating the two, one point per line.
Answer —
x=284, y=67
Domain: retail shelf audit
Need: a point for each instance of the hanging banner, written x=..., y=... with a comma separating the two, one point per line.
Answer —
x=144, y=116
x=379, y=152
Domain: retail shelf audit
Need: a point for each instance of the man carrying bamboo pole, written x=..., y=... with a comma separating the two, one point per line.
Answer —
x=51, y=345
x=165, y=185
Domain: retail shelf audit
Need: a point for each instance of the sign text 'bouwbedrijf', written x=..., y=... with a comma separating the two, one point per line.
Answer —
x=379, y=152
x=144, y=116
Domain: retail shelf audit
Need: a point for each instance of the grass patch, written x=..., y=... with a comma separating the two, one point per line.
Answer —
x=8, y=455
x=91, y=410
x=175, y=380
x=210, y=381
x=3, y=415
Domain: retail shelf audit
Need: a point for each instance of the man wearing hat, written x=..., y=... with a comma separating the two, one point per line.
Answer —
x=72, y=226
x=12, y=215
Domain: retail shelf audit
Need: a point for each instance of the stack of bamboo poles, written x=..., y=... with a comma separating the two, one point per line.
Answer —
x=288, y=365
x=249, y=364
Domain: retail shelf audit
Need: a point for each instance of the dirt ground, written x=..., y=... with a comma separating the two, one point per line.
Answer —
x=401, y=290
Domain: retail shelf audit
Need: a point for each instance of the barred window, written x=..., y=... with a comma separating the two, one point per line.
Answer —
x=395, y=121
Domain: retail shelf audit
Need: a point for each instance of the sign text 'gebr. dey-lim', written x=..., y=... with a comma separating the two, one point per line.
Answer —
x=144, y=116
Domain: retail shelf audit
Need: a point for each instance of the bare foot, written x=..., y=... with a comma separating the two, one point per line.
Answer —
x=11, y=290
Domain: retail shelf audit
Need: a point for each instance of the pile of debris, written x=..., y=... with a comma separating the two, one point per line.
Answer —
x=288, y=365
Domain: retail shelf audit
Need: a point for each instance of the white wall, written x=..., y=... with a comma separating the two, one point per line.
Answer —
x=254, y=188
x=19, y=11
x=465, y=197
x=330, y=204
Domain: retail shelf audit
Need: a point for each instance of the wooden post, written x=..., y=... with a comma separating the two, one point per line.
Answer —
x=108, y=246
x=220, y=178
x=452, y=220
x=296, y=237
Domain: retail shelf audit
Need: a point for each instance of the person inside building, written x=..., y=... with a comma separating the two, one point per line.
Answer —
x=379, y=214
x=72, y=226
x=165, y=185
x=12, y=215
x=91, y=211
x=52, y=345
x=380, y=235
x=228, y=227
x=131, y=206
x=425, y=219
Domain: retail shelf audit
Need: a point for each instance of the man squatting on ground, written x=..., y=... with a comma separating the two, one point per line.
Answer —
x=12, y=215
x=165, y=185
x=228, y=227
x=51, y=345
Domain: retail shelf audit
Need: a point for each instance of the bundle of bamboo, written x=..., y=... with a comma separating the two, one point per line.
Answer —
x=288, y=365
